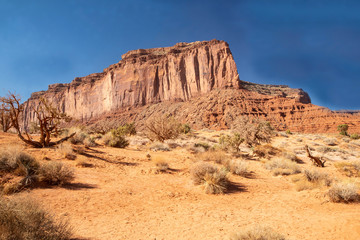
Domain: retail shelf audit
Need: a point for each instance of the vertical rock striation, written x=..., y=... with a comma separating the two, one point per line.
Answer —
x=143, y=77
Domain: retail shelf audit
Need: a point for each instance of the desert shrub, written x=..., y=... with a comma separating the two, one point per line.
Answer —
x=127, y=129
x=314, y=175
x=355, y=136
x=115, y=139
x=185, y=128
x=254, y=131
x=23, y=219
x=90, y=141
x=162, y=128
x=331, y=141
x=280, y=166
x=13, y=159
x=266, y=151
x=311, y=178
x=160, y=164
x=34, y=128
x=56, y=173
x=79, y=136
x=214, y=180
x=204, y=145
x=342, y=128
x=231, y=141
x=288, y=132
x=238, y=167
x=343, y=192
x=325, y=149
x=156, y=146
x=290, y=155
x=350, y=169
x=258, y=233
x=216, y=156
x=12, y=187
x=67, y=150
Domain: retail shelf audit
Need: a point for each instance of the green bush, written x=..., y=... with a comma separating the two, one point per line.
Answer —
x=115, y=138
x=128, y=129
x=185, y=128
x=231, y=141
x=355, y=136
x=342, y=128
x=288, y=132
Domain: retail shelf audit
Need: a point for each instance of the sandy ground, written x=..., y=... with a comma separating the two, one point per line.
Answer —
x=120, y=197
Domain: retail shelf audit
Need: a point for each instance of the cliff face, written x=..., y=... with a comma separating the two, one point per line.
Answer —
x=146, y=76
x=198, y=82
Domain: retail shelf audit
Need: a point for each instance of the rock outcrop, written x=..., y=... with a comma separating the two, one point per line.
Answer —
x=198, y=82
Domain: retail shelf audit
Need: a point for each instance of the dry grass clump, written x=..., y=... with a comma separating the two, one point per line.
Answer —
x=238, y=167
x=24, y=219
x=258, y=233
x=216, y=156
x=67, y=150
x=79, y=136
x=21, y=167
x=312, y=178
x=266, y=151
x=290, y=155
x=330, y=141
x=280, y=166
x=56, y=173
x=161, y=164
x=158, y=146
x=344, y=192
x=350, y=169
x=214, y=180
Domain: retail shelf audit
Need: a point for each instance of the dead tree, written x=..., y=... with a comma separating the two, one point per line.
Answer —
x=49, y=119
x=317, y=161
x=5, y=120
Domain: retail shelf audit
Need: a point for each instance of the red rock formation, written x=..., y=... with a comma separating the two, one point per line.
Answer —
x=198, y=82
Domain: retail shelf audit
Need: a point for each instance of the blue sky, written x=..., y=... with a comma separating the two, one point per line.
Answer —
x=314, y=45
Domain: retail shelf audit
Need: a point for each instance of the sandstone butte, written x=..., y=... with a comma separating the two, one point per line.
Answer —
x=196, y=82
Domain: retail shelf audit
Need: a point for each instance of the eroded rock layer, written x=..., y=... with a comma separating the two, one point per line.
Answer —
x=197, y=82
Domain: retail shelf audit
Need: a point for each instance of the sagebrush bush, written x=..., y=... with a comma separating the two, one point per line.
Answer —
x=115, y=139
x=216, y=156
x=162, y=128
x=23, y=219
x=280, y=166
x=258, y=233
x=56, y=173
x=342, y=128
x=238, y=167
x=343, y=192
x=232, y=141
x=204, y=145
x=161, y=164
x=79, y=137
x=312, y=178
x=314, y=175
x=254, y=131
x=67, y=150
x=214, y=180
x=355, y=136
x=350, y=169
x=13, y=158
x=266, y=151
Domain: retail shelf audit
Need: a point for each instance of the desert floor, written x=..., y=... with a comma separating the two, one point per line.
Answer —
x=119, y=195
